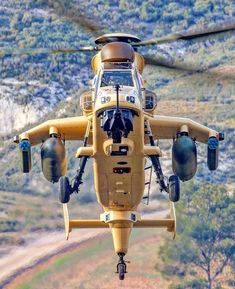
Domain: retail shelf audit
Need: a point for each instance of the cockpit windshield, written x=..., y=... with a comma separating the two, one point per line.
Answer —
x=116, y=77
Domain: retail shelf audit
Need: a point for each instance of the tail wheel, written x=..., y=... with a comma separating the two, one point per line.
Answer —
x=65, y=190
x=121, y=268
x=174, y=188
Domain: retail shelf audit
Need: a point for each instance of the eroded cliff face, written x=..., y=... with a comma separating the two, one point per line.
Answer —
x=18, y=108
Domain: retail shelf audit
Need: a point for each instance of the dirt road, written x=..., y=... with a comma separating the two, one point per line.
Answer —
x=44, y=248
x=36, y=252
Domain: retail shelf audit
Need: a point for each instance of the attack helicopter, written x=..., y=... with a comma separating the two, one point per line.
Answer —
x=119, y=131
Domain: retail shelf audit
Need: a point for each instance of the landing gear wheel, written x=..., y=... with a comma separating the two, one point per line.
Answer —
x=174, y=188
x=121, y=268
x=65, y=190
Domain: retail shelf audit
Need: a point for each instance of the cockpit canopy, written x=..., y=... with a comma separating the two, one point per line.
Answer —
x=113, y=77
x=123, y=74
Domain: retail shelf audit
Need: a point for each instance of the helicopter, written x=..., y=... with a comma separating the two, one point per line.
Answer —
x=119, y=130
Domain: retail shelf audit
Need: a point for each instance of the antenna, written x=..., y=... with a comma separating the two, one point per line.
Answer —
x=117, y=87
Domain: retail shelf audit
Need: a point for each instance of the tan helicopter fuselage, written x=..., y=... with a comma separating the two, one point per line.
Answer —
x=119, y=180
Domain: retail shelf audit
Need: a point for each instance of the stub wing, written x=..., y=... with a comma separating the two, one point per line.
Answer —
x=73, y=128
x=167, y=127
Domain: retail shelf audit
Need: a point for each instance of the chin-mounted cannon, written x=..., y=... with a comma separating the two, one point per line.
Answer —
x=117, y=122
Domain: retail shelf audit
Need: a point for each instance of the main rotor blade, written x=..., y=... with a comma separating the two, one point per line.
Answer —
x=191, y=34
x=158, y=61
x=172, y=64
x=32, y=51
x=193, y=68
x=73, y=14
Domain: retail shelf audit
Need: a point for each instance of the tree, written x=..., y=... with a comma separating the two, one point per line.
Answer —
x=205, y=242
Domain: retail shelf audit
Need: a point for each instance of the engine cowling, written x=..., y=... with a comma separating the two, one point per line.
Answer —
x=184, y=158
x=53, y=158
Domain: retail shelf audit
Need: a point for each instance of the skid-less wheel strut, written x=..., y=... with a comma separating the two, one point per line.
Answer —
x=156, y=162
x=78, y=177
x=67, y=188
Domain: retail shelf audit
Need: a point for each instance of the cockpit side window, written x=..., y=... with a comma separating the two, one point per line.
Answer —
x=137, y=80
x=110, y=78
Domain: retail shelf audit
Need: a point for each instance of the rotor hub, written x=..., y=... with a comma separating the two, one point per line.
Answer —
x=117, y=37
